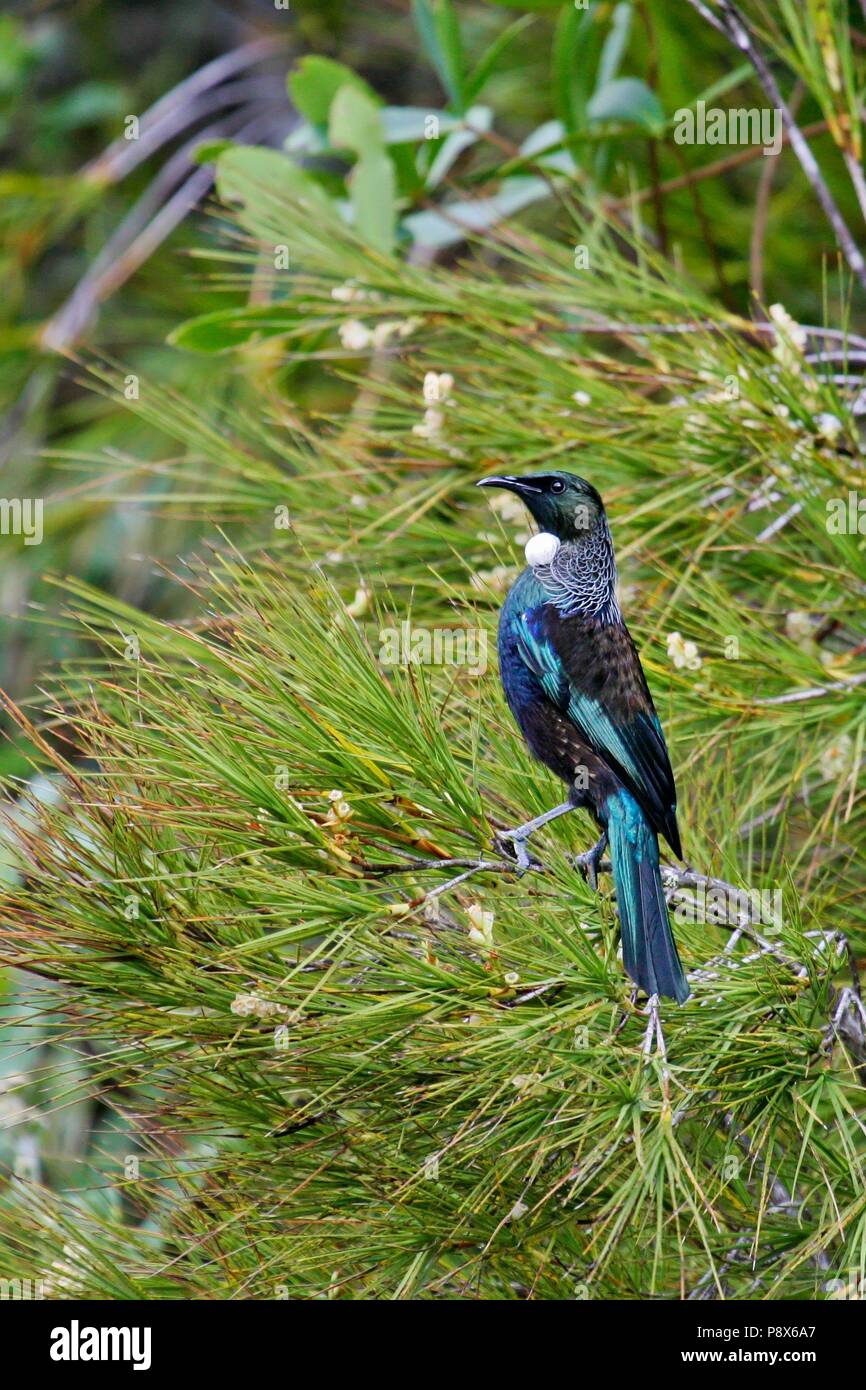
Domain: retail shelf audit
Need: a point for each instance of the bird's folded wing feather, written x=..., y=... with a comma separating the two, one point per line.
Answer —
x=625, y=732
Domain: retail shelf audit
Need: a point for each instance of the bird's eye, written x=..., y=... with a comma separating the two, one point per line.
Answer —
x=557, y=485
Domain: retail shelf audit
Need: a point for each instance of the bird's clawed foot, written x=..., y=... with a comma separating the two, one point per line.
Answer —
x=513, y=845
x=589, y=861
x=654, y=1035
x=513, y=842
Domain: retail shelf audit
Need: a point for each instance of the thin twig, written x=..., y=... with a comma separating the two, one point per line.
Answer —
x=746, y=326
x=734, y=26
x=711, y=170
x=159, y=123
x=781, y=521
x=856, y=356
x=411, y=863
x=141, y=232
x=794, y=696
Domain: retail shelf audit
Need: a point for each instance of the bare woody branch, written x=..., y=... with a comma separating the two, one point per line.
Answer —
x=728, y=20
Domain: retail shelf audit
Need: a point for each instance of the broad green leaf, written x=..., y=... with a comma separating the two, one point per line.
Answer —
x=439, y=32
x=240, y=167
x=543, y=145
x=479, y=117
x=630, y=101
x=614, y=45
x=448, y=30
x=209, y=151
x=456, y=220
x=545, y=137
x=306, y=139
x=226, y=329
x=488, y=63
x=256, y=179
x=610, y=58
x=406, y=159
x=576, y=39
x=85, y=105
x=402, y=124
x=316, y=81
x=355, y=122
x=373, y=187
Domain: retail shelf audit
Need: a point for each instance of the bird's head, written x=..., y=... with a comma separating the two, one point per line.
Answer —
x=562, y=503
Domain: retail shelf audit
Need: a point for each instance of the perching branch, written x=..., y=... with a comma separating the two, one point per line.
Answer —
x=744, y=920
x=848, y=1021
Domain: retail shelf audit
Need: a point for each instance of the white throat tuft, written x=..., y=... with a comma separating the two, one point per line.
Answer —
x=541, y=549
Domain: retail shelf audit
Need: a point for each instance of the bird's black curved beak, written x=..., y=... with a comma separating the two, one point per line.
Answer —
x=518, y=485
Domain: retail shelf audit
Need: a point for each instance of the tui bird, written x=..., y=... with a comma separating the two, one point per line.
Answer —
x=574, y=683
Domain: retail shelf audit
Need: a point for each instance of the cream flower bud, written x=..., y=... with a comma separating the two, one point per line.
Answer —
x=481, y=931
x=354, y=335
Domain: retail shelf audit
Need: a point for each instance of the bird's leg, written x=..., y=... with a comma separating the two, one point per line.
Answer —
x=654, y=1032
x=624, y=1017
x=655, y=1035
x=588, y=862
x=521, y=833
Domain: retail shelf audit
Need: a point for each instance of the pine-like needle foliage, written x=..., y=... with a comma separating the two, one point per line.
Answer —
x=335, y=1071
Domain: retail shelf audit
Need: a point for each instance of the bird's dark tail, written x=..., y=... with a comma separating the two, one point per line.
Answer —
x=649, y=951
